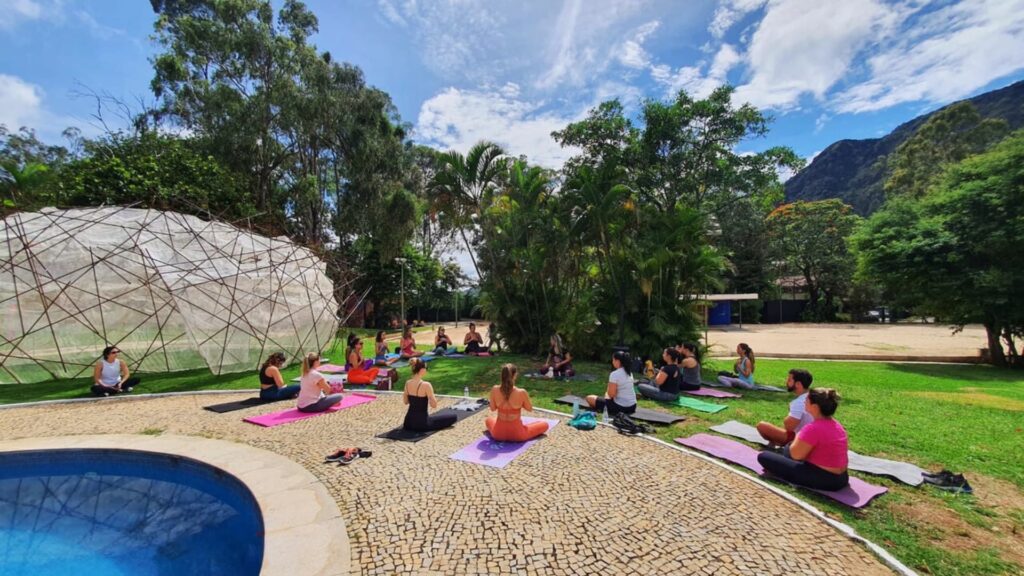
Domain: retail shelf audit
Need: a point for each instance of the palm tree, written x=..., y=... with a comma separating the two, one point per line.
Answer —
x=463, y=186
x=18, y=181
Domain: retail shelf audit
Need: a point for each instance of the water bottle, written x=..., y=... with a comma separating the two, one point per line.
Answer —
x=465, y=391
x=604, y=415
x=575, y=408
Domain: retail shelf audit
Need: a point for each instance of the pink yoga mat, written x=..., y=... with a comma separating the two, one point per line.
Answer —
x=497, y=454
x=857, y=495
x=293, y=414
x=331, y=368
x=712, y=393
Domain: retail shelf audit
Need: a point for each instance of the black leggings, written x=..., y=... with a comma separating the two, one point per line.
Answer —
x=101, y=390
x=436, y=422
x=802, y=473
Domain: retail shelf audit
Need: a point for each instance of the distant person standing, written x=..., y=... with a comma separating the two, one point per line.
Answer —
x=111, y=376
x=798, y=382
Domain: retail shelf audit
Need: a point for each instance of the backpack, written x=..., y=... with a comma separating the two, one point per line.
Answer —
x=584, y=421
x=628, y=426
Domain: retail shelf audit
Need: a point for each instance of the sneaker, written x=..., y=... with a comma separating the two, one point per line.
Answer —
x=354, y=455
x=336, y=457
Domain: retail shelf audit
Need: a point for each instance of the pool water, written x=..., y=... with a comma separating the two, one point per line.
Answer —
x=103, y=512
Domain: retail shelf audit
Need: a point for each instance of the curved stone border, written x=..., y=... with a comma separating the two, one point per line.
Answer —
x=305, y=533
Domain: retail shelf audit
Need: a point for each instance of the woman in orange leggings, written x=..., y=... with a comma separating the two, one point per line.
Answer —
x=509, y=401
x=359, y=371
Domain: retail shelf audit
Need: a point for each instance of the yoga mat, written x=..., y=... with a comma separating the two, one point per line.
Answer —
x=645, y=414
x=700, y=405
x=857, y=495
x=404, y=363
x=331, y=369
x=902, y=471
x=293, y=414
x=413, y=436
x=490, y=452
x=711, y=393
x=578, y=377
x=329, y=378
x=236, y=405
x=762, y=387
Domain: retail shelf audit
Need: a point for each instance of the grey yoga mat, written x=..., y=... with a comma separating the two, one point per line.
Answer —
x=762, y=387
x=902, y=471
x=645, y=414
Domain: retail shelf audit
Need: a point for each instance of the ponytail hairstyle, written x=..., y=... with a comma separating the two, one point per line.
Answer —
x=275, y=359
x=308, y=361
x=508, y=379
x=417, y=365
x=624, y=360
x=694, y=349
x=673, y=355
x=826, y=399
x=749, y=353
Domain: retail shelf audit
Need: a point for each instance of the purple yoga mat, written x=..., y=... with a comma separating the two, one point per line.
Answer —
x=293, y=414
x=497, y=454
x=712, y=393
x=857, y=495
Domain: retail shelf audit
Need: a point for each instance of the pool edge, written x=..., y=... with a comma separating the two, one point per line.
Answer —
x=304, y=530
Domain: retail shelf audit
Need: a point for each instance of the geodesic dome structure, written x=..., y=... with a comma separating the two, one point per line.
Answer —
x=171, y=291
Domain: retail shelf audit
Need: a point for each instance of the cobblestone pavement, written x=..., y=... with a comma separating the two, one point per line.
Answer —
x=575, y=503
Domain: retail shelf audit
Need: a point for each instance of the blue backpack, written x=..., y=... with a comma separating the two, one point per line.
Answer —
x=584, y=421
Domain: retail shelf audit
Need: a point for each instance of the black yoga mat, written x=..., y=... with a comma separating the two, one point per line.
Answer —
x=236, y=405
x=645, y=414
x=412, y=436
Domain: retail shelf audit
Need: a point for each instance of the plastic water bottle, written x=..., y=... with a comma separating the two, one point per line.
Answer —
x=575, y=408
x=604, y=415
x=465, y=391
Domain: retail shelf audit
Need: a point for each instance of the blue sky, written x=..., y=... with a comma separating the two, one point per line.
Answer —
x=513, y=71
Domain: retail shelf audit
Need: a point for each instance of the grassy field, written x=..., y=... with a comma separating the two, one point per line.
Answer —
x=968, y=419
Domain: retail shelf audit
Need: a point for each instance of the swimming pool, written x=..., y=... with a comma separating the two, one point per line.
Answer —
x=107, y=512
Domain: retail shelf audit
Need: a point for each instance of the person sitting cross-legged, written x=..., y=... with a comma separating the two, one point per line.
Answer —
x=620, y=395
x=417, y=396
x=407, y=346
x=360, y=371
x=111, y=376
x=666, y=383
x=509, y=401
x=559, y=361
x=744, y=367
x=272, y=386
x=474, y=341
x=314, y=391
x=798, y=382
x=442, y=342
x=818, y=456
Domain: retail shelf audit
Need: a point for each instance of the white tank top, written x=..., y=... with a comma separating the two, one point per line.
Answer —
x=110, y=372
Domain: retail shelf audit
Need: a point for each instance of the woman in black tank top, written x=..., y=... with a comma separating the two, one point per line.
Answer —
x=418, y=395
x=272, y=386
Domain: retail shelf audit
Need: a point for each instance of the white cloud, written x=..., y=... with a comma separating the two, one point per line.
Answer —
x=948, y=54
x=807, y=46
x=631, y=53
x=694, y=79
x=457, y=119
x=20, y=102
x=730, y=12
x=14, y=11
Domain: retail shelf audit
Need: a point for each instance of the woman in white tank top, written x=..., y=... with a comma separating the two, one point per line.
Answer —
x=111, y=376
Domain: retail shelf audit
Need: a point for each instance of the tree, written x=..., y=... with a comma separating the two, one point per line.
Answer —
x=955, y=253
x=951, y=135
x=150, y=170
x=812, y=239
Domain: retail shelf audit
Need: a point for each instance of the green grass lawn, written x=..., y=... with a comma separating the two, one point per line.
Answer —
x=968, y=419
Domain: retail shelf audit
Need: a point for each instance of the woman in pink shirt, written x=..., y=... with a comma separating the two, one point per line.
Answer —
x=817, y=458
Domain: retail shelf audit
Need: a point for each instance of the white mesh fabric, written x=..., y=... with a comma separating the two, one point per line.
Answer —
x=172, y=291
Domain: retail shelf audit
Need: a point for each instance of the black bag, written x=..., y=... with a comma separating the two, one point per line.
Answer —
x=628, y=426
x=727, y=374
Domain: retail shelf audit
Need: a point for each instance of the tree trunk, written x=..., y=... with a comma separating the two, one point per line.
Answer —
x=995, y=345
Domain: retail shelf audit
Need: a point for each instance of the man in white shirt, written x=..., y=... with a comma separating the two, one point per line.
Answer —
x=798, y=382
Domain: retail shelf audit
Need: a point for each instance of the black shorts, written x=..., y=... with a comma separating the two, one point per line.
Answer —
x=613, y=408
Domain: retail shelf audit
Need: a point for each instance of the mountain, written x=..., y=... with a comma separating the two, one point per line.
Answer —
x=855, y=170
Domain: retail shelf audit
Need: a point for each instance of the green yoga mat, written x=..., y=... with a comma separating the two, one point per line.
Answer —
x=700, y=405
